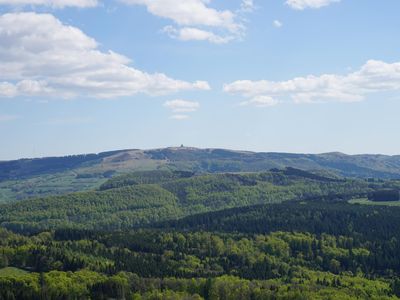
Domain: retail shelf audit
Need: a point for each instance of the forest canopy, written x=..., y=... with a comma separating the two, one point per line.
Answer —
x=281, y=234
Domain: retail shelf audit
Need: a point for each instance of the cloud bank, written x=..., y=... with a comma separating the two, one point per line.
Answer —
x=196, y=20
x=40, y=56
x=374, y=76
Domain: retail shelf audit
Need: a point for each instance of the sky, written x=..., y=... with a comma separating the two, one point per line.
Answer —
x=304, y=76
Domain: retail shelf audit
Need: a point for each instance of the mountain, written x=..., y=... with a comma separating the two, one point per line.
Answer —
x=59, y=175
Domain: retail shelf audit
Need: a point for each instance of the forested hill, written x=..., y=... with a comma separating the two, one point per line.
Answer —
x=205, y=160
x=181, y=235
x=27, y=178
x=145, y=197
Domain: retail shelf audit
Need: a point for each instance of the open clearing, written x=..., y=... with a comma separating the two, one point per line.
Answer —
x=365, y=201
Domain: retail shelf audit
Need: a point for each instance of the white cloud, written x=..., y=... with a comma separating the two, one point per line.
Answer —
x=179, y=105
x=277, y=23
x=303, y=4
x=189, y=12
x=7, y=89
x=180, y=108
x=41, y=56
x=51, y=3
x=196, y=20
x=247, y=6
x=261, y=101
x=374, y=76
x=195, y=34
x=7, y=118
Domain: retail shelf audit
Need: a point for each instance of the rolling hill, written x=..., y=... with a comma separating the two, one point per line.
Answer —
x=25, y=178
x=145, y=197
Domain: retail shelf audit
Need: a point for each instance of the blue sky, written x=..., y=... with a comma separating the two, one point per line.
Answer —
x=310, y=76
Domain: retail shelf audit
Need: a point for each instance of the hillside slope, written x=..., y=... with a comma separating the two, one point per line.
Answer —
x=122, y=203
x=50, y=176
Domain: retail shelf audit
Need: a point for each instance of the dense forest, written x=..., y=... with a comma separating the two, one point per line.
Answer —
x=152, y=264
x=281, y=234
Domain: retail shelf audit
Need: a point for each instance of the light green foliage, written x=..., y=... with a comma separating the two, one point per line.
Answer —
x=280, y=265
x=10, y=271
x=365, y=201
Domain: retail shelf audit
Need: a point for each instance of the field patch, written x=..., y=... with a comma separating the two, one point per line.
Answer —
x=365, y=201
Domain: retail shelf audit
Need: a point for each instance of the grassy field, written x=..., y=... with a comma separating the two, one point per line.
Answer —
x=10, y=271
x=365, y=201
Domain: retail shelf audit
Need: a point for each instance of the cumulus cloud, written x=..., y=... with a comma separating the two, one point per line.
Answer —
x=51, y=3
x=7, y=89
x=261, y=101
x=374, y=76
x=196, y=20
x=195, y=34
x=180, y=108
x=247, y=5
x=180, y=105
x=189, y=12
x=277, y=23
x=41, y=56
x=304, y=4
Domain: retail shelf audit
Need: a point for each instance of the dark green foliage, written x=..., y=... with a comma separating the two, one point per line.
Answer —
x=385, y=195
x=301, y=173
x=18, y=169
x=144, y=177
x=325, y=215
